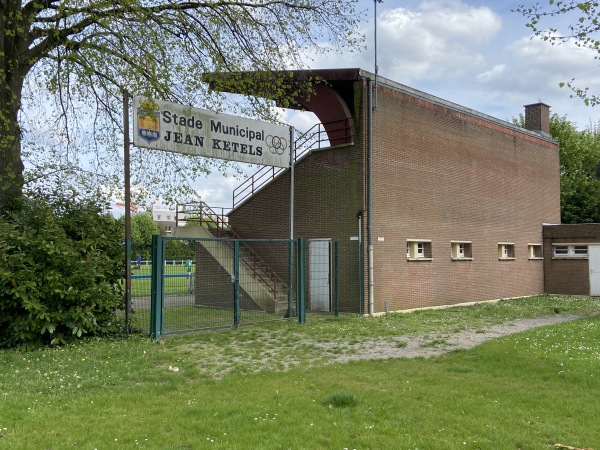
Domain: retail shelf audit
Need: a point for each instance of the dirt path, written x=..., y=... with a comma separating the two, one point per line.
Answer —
x=271, y=352
x=432, y=345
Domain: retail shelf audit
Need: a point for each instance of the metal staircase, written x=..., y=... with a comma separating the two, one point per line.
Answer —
x=215, y=220
x=257, y=278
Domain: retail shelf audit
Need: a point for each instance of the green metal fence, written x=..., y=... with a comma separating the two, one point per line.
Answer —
x=229, y=282
x=209, y=283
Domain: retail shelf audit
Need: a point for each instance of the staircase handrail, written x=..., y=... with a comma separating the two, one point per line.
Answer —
x=218, y=225
x=314, y=137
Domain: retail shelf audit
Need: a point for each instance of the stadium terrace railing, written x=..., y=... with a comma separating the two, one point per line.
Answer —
x=315, y=138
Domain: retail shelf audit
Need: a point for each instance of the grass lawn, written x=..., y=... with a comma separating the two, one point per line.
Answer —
x=273, y=386
x=140, y=287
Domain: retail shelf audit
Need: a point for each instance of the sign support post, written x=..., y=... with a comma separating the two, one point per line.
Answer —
x=291, y=244
x=126, y=146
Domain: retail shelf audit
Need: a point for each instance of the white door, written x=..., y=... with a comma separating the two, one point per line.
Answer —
x=594, y=251
x=319, y=271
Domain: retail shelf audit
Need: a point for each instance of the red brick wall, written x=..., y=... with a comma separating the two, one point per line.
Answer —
x=328, y=195
x=438, y=174
x=568, y=275
x=445, y=175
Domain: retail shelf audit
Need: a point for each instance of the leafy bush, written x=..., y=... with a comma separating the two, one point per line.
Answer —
x=60, y=267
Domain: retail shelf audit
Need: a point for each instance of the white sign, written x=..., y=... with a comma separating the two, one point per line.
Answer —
x=176, y=128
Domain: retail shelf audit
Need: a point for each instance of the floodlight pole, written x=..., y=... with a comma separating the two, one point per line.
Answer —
x=371, y=91
x=127, y=177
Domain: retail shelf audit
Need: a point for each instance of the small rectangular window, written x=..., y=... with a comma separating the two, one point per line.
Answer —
x=569, y=251
x=561, y=250
x=461, y=250
x=506, y=250
x=535, y=251
x=418, y=249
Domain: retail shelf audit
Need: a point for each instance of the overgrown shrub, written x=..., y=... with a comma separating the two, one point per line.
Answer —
x=60, y=267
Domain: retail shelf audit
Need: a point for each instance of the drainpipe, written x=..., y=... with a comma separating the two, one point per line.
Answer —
x=370, y=192
x=361, y=263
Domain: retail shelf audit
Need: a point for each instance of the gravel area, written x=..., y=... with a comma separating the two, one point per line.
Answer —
x=433, y=345
x=269, y=352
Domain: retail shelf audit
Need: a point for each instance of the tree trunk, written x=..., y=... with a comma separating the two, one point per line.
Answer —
x=11, y=165
x=13, y=45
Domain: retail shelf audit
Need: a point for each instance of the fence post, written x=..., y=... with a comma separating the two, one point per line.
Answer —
x=290, y=287
x=336, y=268
x=157, y=288
x=301, y=277
x=236, y=282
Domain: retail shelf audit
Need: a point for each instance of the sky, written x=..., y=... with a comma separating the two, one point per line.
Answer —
x=475, y=53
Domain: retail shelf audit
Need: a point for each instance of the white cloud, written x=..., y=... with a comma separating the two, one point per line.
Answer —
x=439, y=39
x=566, y=60
x=216, y=189
x=532, y=70
x=496, y=72
x=535, y=63
x=456, y=20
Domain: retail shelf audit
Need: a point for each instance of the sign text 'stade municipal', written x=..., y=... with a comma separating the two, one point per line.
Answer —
x=176, y=128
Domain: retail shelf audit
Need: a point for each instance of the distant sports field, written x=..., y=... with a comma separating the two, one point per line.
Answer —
x=177, y=280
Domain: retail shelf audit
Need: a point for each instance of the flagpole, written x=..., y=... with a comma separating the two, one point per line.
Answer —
x=375, y=36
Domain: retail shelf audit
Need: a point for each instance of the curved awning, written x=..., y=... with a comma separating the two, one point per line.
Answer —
x=328, y=93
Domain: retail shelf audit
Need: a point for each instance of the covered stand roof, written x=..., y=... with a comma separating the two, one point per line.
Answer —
x=328, y=93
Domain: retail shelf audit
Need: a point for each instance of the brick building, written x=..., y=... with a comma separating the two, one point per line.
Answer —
x=572, y=259
x=456, y=198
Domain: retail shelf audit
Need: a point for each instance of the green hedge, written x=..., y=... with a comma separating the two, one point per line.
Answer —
x=60, y=267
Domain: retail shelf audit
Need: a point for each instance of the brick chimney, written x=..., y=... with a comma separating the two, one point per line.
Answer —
x=537, y=117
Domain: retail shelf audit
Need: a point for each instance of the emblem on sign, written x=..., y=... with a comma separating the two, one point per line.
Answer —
x=148, y=125
x=276, y=144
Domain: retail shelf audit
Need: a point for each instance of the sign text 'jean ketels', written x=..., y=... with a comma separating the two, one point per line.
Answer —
x=176, y=128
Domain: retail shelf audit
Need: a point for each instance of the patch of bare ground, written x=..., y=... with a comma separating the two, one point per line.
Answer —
x=437, y=344
x=267, y=351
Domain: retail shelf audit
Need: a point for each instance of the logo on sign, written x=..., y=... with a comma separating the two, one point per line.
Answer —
x=148, y=125
x=276, y=144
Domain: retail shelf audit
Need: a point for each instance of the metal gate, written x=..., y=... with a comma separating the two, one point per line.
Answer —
x=319, y=275
x=594, y=261
x=229, y=282
x=206, y=282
